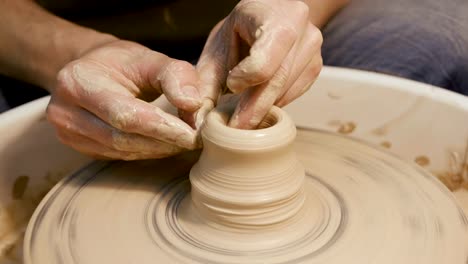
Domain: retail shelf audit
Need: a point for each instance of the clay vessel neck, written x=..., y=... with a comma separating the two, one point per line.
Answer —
x=248, y=179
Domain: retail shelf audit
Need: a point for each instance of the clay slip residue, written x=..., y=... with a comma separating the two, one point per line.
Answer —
x=14, y=217
x=343, y=127
x=422, y=160
x=457, y=175
x=386, y=144
x=19, y=187
x=347, y=128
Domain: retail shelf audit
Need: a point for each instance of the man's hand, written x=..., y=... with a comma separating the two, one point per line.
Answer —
x=268, y=51
x=99, y=103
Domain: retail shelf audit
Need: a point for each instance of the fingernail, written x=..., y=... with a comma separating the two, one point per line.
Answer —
x=191, y=92
x=236, y=84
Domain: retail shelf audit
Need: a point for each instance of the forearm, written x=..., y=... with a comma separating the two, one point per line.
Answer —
x=321, y=11
x=35, y=45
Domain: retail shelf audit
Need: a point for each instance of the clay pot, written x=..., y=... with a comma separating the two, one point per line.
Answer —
x=248, y=179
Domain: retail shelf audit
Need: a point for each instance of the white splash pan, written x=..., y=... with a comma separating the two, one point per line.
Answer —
x=416, y=119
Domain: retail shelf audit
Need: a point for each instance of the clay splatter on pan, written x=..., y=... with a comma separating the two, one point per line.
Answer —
x=422, y=160
x=14, y=217
x=19, y=187
x=452, y=181
x=457, y=175
x=386, y=144
x=347, y=128
x=343, y=127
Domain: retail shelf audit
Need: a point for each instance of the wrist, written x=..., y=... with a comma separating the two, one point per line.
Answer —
x=321, y=11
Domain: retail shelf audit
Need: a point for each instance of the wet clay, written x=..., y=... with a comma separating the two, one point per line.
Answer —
x=347, y=128
x=457, y=176
x=386, y=144
x=269, y=195
x=422, y=160
x=19, y=187
x=343, y=127
x=14, y=216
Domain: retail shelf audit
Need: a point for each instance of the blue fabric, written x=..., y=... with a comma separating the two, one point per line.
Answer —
x=423, y=40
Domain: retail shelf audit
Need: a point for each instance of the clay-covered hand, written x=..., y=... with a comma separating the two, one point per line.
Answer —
x=100, y=103
x=268, y=51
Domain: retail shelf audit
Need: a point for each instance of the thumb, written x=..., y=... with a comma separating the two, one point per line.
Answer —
x=177, y=79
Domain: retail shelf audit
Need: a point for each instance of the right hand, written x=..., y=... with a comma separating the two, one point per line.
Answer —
x=266, y=51
x=99, y=106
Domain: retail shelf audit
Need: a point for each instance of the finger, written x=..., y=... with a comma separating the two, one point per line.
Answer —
x=74, y=120
x=308, y=50
x=128, y=114
x=197, y=119
x=255, y=102
x=218, y=56
x=153, y=71
x=96, y=150
x=89, y=147
x=271, y=39
x=134, y=116
x=303, y=82
x=212, y=65
x=266, y=56
x=179, y=82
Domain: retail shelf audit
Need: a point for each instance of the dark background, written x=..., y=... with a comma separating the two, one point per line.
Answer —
x=176, y=28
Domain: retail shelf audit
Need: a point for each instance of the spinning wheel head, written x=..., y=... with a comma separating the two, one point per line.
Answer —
x=258, y=196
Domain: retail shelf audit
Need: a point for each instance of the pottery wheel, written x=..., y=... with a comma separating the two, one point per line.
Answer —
x=349, y=203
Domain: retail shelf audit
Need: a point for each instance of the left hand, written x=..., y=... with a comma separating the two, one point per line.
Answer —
x=266, y=50
x=101, y=106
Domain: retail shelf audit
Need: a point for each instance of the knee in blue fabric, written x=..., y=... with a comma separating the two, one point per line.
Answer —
x=431, y=48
